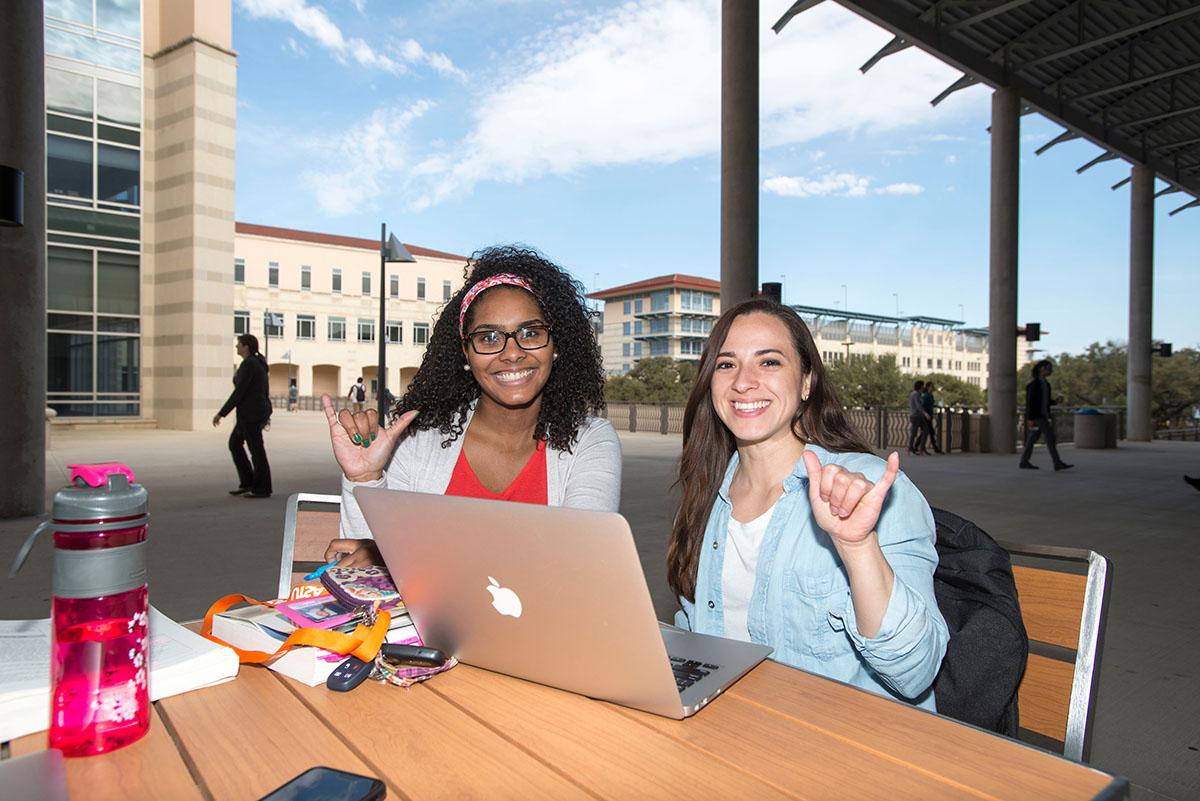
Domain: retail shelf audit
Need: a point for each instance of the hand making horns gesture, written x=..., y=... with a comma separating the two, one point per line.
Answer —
x=847, y=505
x=361, y=446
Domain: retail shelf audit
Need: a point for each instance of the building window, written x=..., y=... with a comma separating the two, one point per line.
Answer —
x=337, y=329
x=69, y=167
x=625, y=349
x=929, y=364
x=421, y=334
x=625, y=307
x=366, y=285
x=420, y=289
x=394, y=332
x=239, y=271
x=273, y=274
x=637, y=350
x=306, y=326
x=273, y=325
x=939, y=364
x=241, y=322
x=305, y=277
x=691, y=347
x=117, y=174
x=445, y=290
x=625, y=368
x=660, y=301
x=366, y=330
x=659, y=347
x=660, y=326
x=394, y=286
x=626, y=327
x=637, y=327
x=637, y=306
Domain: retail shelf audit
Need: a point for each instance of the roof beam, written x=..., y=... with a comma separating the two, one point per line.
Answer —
x=1110, y=37
x=1065, y=136
x=1121, y=183
x=1184, y=207
x=891, y=48
x=994, y=11
x=799, y=7
x=962, y=83
x=1117, y=87
x=1103, y=157
x=1156, y=117
x=1170, y=190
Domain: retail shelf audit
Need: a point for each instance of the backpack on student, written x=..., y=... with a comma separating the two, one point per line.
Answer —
x=360, y=393
x=988, y=648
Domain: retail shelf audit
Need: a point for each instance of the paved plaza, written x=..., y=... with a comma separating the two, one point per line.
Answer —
x=1129, y=504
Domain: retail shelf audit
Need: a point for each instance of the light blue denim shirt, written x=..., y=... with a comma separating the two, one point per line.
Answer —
x=801, y=604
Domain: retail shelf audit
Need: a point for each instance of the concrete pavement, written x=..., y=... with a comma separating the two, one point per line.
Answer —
x=1130, y=505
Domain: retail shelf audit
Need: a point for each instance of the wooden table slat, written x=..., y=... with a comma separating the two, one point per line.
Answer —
x=246, y=737
x=151, y=762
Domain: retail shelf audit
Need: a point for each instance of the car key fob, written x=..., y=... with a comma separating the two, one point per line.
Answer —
x=416, y=655
x=349, y=674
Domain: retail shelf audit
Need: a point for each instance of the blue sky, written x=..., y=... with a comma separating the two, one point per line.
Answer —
x=591, y=131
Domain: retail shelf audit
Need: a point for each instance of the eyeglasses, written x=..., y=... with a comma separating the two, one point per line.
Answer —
x=527, y=337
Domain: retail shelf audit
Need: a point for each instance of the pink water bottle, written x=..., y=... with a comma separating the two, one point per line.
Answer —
x=99, y=699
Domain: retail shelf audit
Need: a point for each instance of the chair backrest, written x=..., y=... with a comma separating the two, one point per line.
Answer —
x=1064, y=601
x=310, y=522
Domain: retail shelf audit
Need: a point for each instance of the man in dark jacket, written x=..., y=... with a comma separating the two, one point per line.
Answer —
x=916, y=419
x=1038, y=420
x=251, y=398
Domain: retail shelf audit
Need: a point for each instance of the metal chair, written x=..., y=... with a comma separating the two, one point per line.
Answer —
x=310, y=522
x=1064, y=600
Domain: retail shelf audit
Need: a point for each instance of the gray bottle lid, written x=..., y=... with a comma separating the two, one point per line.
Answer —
x=98, y=492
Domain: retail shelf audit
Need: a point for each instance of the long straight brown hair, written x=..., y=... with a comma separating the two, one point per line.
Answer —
x=708, y=444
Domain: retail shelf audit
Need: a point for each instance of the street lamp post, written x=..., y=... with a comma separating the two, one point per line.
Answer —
x=390, y=250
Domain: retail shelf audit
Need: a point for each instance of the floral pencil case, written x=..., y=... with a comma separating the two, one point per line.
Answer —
x=360, y=586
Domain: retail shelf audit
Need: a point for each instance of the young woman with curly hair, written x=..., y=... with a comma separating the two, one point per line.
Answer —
x=502, y=406
x=791, y=532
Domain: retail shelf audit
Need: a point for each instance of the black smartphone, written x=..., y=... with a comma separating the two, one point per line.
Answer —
x=328, y=784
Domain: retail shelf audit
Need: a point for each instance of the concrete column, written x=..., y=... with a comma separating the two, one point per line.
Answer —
x=1002, y=288
x=1141, y=303
x=23, y=263
x=739, y=151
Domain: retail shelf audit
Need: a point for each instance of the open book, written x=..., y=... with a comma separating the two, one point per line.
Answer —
x=180, y=660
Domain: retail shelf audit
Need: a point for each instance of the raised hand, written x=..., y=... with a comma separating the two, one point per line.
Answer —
x=847, y=505
x=362, y=448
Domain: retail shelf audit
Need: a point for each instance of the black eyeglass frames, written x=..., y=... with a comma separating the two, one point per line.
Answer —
x=527, y=337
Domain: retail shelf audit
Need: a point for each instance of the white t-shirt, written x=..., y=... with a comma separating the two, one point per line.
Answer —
x=737, y=572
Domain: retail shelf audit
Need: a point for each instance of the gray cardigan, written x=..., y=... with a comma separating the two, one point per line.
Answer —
x=589, y=477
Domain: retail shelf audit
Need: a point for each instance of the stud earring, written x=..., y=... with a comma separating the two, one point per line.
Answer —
x=555, y=356
x=466, y=367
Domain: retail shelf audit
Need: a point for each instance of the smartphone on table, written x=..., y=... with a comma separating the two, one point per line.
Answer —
x=328, y=784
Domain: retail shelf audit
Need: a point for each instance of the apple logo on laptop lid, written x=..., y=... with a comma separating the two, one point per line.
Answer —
x=504, y=600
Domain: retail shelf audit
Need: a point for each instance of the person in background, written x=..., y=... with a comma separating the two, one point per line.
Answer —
x=1038, y=419
x=928, y=407
x=503, y=406
x=358, y=395
x=389, y=400
x=251, y=398
x=916, y=419
x=293, y=397
x=791, y=532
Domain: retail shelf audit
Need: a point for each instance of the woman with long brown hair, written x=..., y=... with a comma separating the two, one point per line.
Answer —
x=791, y=532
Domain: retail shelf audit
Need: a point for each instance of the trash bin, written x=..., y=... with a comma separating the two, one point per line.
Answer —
x=1095, y=429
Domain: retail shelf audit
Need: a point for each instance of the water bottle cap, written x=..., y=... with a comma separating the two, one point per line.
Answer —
x=100, y=491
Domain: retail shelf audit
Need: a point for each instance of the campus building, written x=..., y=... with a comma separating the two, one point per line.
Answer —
x=312, y=300
x=671, y=315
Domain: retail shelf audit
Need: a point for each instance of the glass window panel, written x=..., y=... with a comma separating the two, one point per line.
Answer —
x=366, y=283
x=122, y=135
x=69, y=279
x=68, y=125
x=117, y=174
x=89, y=242
x=241, y=322
x=420, y=333
x=120, y=16
x=273, y=275
x=117, y=283
x=337, y=329
x=305, y=276
x=394, y=332
x=69, y=362
x=69, y=322
x=122, y=325
x=96, y=223
x=116, y=410
x=68, y=92
x=74, y=10
x=82, y=47
x=394, y=286
x=420, y=289
x=336, y=281
x=68, y=166
x=73, y=409
x=445, y=290
x=118, y=102
x=117, y=364
x=239, y=271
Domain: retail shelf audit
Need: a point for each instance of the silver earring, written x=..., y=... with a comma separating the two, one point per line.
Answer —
x=555, y=356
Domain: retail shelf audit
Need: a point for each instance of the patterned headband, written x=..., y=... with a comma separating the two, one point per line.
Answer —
x=500, y=279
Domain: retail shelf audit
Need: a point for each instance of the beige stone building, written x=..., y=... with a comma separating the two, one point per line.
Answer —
x=322, y=294
x=671, y=315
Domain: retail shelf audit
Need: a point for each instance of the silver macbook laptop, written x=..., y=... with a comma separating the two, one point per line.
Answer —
x=549, y=594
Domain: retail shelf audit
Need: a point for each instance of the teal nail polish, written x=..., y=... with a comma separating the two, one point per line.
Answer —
x=357, y=439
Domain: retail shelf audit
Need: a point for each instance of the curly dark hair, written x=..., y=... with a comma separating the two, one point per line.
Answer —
x=442, y=391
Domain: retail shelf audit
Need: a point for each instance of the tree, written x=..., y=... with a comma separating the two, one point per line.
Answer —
x=953, y=391
x=658, y=379
x=869, y=381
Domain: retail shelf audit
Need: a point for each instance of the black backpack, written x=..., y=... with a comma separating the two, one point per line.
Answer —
x=360, y=394
x=985, y=658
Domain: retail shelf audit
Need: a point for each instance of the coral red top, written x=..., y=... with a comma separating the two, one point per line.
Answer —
x=528, y=487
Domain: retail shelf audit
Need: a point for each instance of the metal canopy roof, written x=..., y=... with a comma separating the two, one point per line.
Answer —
x=1123, y=74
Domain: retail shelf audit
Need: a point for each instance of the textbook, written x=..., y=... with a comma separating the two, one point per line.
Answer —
x=180, y=660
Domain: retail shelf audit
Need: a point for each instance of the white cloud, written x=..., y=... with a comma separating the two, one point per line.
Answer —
x=834, y=184
x=293, y=46
x=941, y=137
x=816, y=155
x=313, y=22
x=951, y=159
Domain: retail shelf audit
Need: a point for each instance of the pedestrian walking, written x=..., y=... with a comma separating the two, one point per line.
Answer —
x=251, y=398
x=358, y=395
x=1038, y=420
x=293, y=397
x=916, y=419
x=929, y=406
